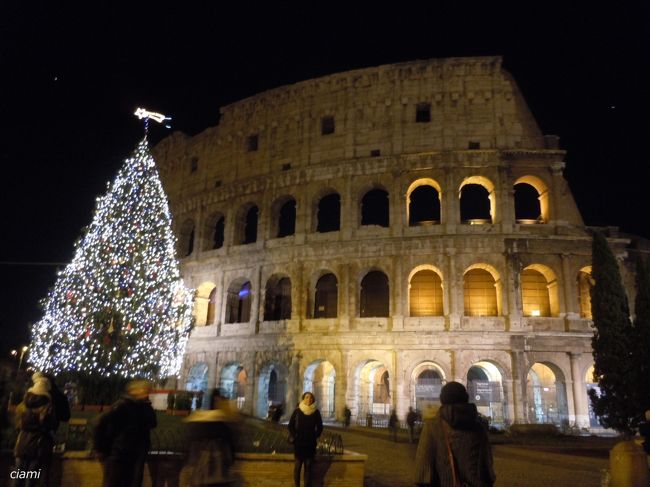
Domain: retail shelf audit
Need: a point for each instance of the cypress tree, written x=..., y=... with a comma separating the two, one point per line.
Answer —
x=615, y=405
x=641, y=342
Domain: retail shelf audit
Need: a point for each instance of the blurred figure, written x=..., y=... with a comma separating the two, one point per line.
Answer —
x=277, y=413
x=35, y=421
x=305, y=426
x=393, y=424
x=121, y=437
x=411, y=418
x=644, y=430
x=454, y=448
x=347, y=416
x=60, y=403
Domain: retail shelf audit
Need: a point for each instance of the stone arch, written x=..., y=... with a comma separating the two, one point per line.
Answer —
x=319, y=379
x=277, y=300
x=233, y=383
x=426, y=380
x=477, y=200
x=482, y=292
x=238, y=301
x=197, y=381
x=327, y=211
x=186, y=240
x=374, y=294
x=546, y=394
x=214, y=231
x=591, y=382
x=485, y=380
x=423, y=202
x=426, y=291
x=374, y=208
x=542, y=195
x=539, y=293
x=372, y=389
x=324, y=295
x=205, y=304
x=283, y=217
x=246, y=223
x=272, y=387
x=585, y=283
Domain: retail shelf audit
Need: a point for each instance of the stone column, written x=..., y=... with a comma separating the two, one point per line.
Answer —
x=571, y=304
x=453, y=306
x=340, y=387
x=520, y=400
x=345, y=301
x=399, y=299
x=581, y=406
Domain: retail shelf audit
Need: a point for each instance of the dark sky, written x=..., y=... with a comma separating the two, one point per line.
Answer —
x=71, y=77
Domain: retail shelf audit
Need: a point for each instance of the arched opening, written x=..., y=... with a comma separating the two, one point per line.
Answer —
x=272, y=388
x=477, y=201
x=326, y=297
x=328, y=215
x=186, y=240
x=424, y=205
x=205, y=304
x=238, y=302
x=425, y=293
x=197, y=381
x=525, y=204
x=320, y=379
x=286, y=218
x=374, y=300
x=546, y=395
x=250, y=226
x=374, y=208
x=485, y=389
x=480, y=290
x=585, y=283
x=233, y=383
x=539, y=291
x=372, y=388
x=214, y=232
x=277, y=305
x=426, y=382
x=591, y=382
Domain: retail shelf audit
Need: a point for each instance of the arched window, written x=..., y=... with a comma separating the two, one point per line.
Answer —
x=250, y=226
x=326, y=297
x=534, y=294
x=480, y=293
x=205, y=304
x=287, y=219
x=374, y=208
x=585, y=283
x=238, y=308
x=214, y=232
x=329, y=213
x=277, y=304
x=212, y=305
x=424, y=206
x=527, y=205
x=186, y=240
x=425, y=294
x=474, y=204
x=374, y=295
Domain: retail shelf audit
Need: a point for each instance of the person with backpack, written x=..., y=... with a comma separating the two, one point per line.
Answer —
x=121, y=437
x=35, y=422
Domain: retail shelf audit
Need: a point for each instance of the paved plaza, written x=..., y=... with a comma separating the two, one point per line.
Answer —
x=392, y=464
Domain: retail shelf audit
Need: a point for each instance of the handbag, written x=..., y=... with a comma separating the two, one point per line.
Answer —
x=452, y=461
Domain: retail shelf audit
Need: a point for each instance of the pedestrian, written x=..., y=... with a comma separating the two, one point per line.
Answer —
x=121, y=437
x=277, y=413
x=393, y=423
x=454, y=449
x=644, y=430
x=35, y=421
x=305, y=426
x=411, y=418
x=347, y=416
x=60, y=404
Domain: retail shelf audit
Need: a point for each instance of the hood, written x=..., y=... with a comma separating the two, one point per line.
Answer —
x=460, y=416
x=36, y=400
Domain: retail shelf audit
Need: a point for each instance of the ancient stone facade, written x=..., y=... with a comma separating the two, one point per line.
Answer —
x=327, y=229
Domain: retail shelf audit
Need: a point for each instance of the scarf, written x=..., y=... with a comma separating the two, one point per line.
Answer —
x=307, y=410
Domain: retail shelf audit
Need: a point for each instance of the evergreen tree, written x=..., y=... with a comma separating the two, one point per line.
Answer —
x=120, y=308
x=613, y=366
x=641, y=333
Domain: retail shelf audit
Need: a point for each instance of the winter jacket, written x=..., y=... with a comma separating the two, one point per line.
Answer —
x=305, y=429
x=123, y=432
x=469, y=445
x=35, y=421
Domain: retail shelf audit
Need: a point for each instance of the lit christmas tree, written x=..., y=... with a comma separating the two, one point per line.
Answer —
x=120, y=307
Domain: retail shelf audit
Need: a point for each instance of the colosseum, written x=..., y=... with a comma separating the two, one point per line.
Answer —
x=371, y=234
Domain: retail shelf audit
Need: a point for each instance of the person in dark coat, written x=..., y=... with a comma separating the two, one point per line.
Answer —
x=347, y=416
x=121, y=437
x=35, y=420
x=411, y=418
x=305, y=426
x=393, y=423
x=60, y=404
x=454, y=447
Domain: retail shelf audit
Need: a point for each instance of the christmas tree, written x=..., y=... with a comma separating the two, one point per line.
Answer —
x=120, y=308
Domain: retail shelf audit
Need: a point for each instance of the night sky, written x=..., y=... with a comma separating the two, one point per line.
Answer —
x=71, y=78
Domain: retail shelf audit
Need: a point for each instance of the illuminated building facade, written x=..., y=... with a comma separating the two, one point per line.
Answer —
x=371, y=234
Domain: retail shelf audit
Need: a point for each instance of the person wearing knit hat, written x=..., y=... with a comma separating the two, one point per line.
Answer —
x=454, y=448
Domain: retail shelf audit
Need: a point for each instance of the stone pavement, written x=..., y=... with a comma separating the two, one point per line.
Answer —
x=391, y=464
